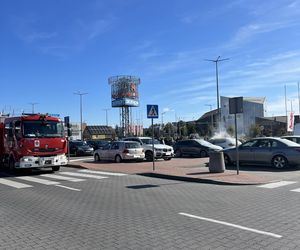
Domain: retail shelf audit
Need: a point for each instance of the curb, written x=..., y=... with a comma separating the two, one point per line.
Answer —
x=197, y=180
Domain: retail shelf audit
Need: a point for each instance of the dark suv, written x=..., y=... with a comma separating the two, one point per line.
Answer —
x=80, y=148
x=194, y=147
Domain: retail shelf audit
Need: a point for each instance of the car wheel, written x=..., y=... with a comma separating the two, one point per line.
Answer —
x=149, y=156
x=167, y=159
x=227, y=160
x=203, y=153
x=97, y=157
x=279, y=161
x=118, y=159
x=178, y=153
x=55, y=168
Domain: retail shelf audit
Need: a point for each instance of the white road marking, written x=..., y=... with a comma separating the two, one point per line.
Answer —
x=59, y=177
x=82, y=159
x=232, y=225
x=83, y=175
x=74, y=189
x=277, y=184
x=37, y=180
x=14, y=184
x=296, y=190
x=100, y=172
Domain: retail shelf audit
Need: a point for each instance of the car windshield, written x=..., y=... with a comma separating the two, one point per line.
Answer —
x=132, y=145
x=79, y=143
x=149, y=141
x=289, y=143
x=43, y=129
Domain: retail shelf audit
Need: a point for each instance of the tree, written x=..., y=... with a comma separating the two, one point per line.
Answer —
x=254, y=131
x=191, y=128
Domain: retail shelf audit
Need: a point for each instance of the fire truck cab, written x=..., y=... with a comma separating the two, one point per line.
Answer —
x=32, y=141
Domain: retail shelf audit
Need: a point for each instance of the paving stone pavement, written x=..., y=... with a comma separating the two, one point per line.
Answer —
x=136, y=212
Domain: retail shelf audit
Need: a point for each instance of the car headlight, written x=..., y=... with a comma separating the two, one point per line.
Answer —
x=26, y=159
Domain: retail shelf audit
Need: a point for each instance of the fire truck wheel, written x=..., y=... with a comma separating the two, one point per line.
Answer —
x=11, y=164
x=55, y=168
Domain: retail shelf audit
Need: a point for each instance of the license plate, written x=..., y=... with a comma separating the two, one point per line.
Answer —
x=48, y=162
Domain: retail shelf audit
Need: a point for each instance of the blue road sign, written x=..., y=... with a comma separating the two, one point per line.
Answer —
x=152, y=111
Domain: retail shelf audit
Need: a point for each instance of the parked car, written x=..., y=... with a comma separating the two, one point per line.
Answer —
x=294, y=138
x=224, y=142
x=273, y=151
x=161, y=151
x=119, y=151
x=96, y=144
x=80, y=148
x=194, y=147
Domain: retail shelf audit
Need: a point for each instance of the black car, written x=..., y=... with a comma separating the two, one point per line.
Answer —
x=194, y=147
x=97, y=144
x=80, y=148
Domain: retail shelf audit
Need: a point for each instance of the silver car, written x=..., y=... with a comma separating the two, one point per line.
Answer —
x=273, y=151
x=119, y=151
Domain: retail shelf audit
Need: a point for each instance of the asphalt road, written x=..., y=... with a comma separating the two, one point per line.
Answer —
x=76, y=209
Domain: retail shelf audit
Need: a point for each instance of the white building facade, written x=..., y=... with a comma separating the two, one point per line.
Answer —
x=252, y=107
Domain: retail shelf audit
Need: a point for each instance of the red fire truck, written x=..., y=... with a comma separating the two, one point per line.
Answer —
x=32, y=141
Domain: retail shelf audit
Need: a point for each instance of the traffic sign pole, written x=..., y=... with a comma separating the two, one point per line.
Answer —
x=152, y=112
x=153, y=145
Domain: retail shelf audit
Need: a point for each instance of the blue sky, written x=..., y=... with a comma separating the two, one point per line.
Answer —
x=52, y=49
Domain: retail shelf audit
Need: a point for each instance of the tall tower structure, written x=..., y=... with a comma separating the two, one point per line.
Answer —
x=124, y=95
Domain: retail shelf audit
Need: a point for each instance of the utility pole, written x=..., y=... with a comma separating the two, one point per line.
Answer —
x=217, y=82
x=299, y=99
x=106, y=115
x=32, y=106
x=80, y=94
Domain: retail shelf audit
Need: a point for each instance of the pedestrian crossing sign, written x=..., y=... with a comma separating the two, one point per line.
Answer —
x=152, y=111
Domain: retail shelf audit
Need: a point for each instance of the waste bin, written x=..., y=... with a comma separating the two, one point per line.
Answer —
x=216, y=162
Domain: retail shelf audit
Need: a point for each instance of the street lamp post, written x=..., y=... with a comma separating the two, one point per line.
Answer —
x=106, y=116
x=80, y=94
x=217, y=82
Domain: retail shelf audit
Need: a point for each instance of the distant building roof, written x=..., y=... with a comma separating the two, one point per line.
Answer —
x=259, y=100
x=99, y=130
x=209, y=114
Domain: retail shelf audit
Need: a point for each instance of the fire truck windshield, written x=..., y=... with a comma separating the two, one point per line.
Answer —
x=43, y=129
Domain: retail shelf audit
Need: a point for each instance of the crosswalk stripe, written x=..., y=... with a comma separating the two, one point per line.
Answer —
x=277, y=184
x=74, y=189
x=65, y=178
x=38, y=180
x=100, y=172
x=296, y=190
x=14, y=184
x=83, y=175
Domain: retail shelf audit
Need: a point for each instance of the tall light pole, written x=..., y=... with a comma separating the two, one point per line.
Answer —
x=32, y=106
x=106, y=116
x=217, y=81
x=80, y=94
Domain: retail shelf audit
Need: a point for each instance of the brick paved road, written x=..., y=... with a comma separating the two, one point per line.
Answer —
x=135, y=212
